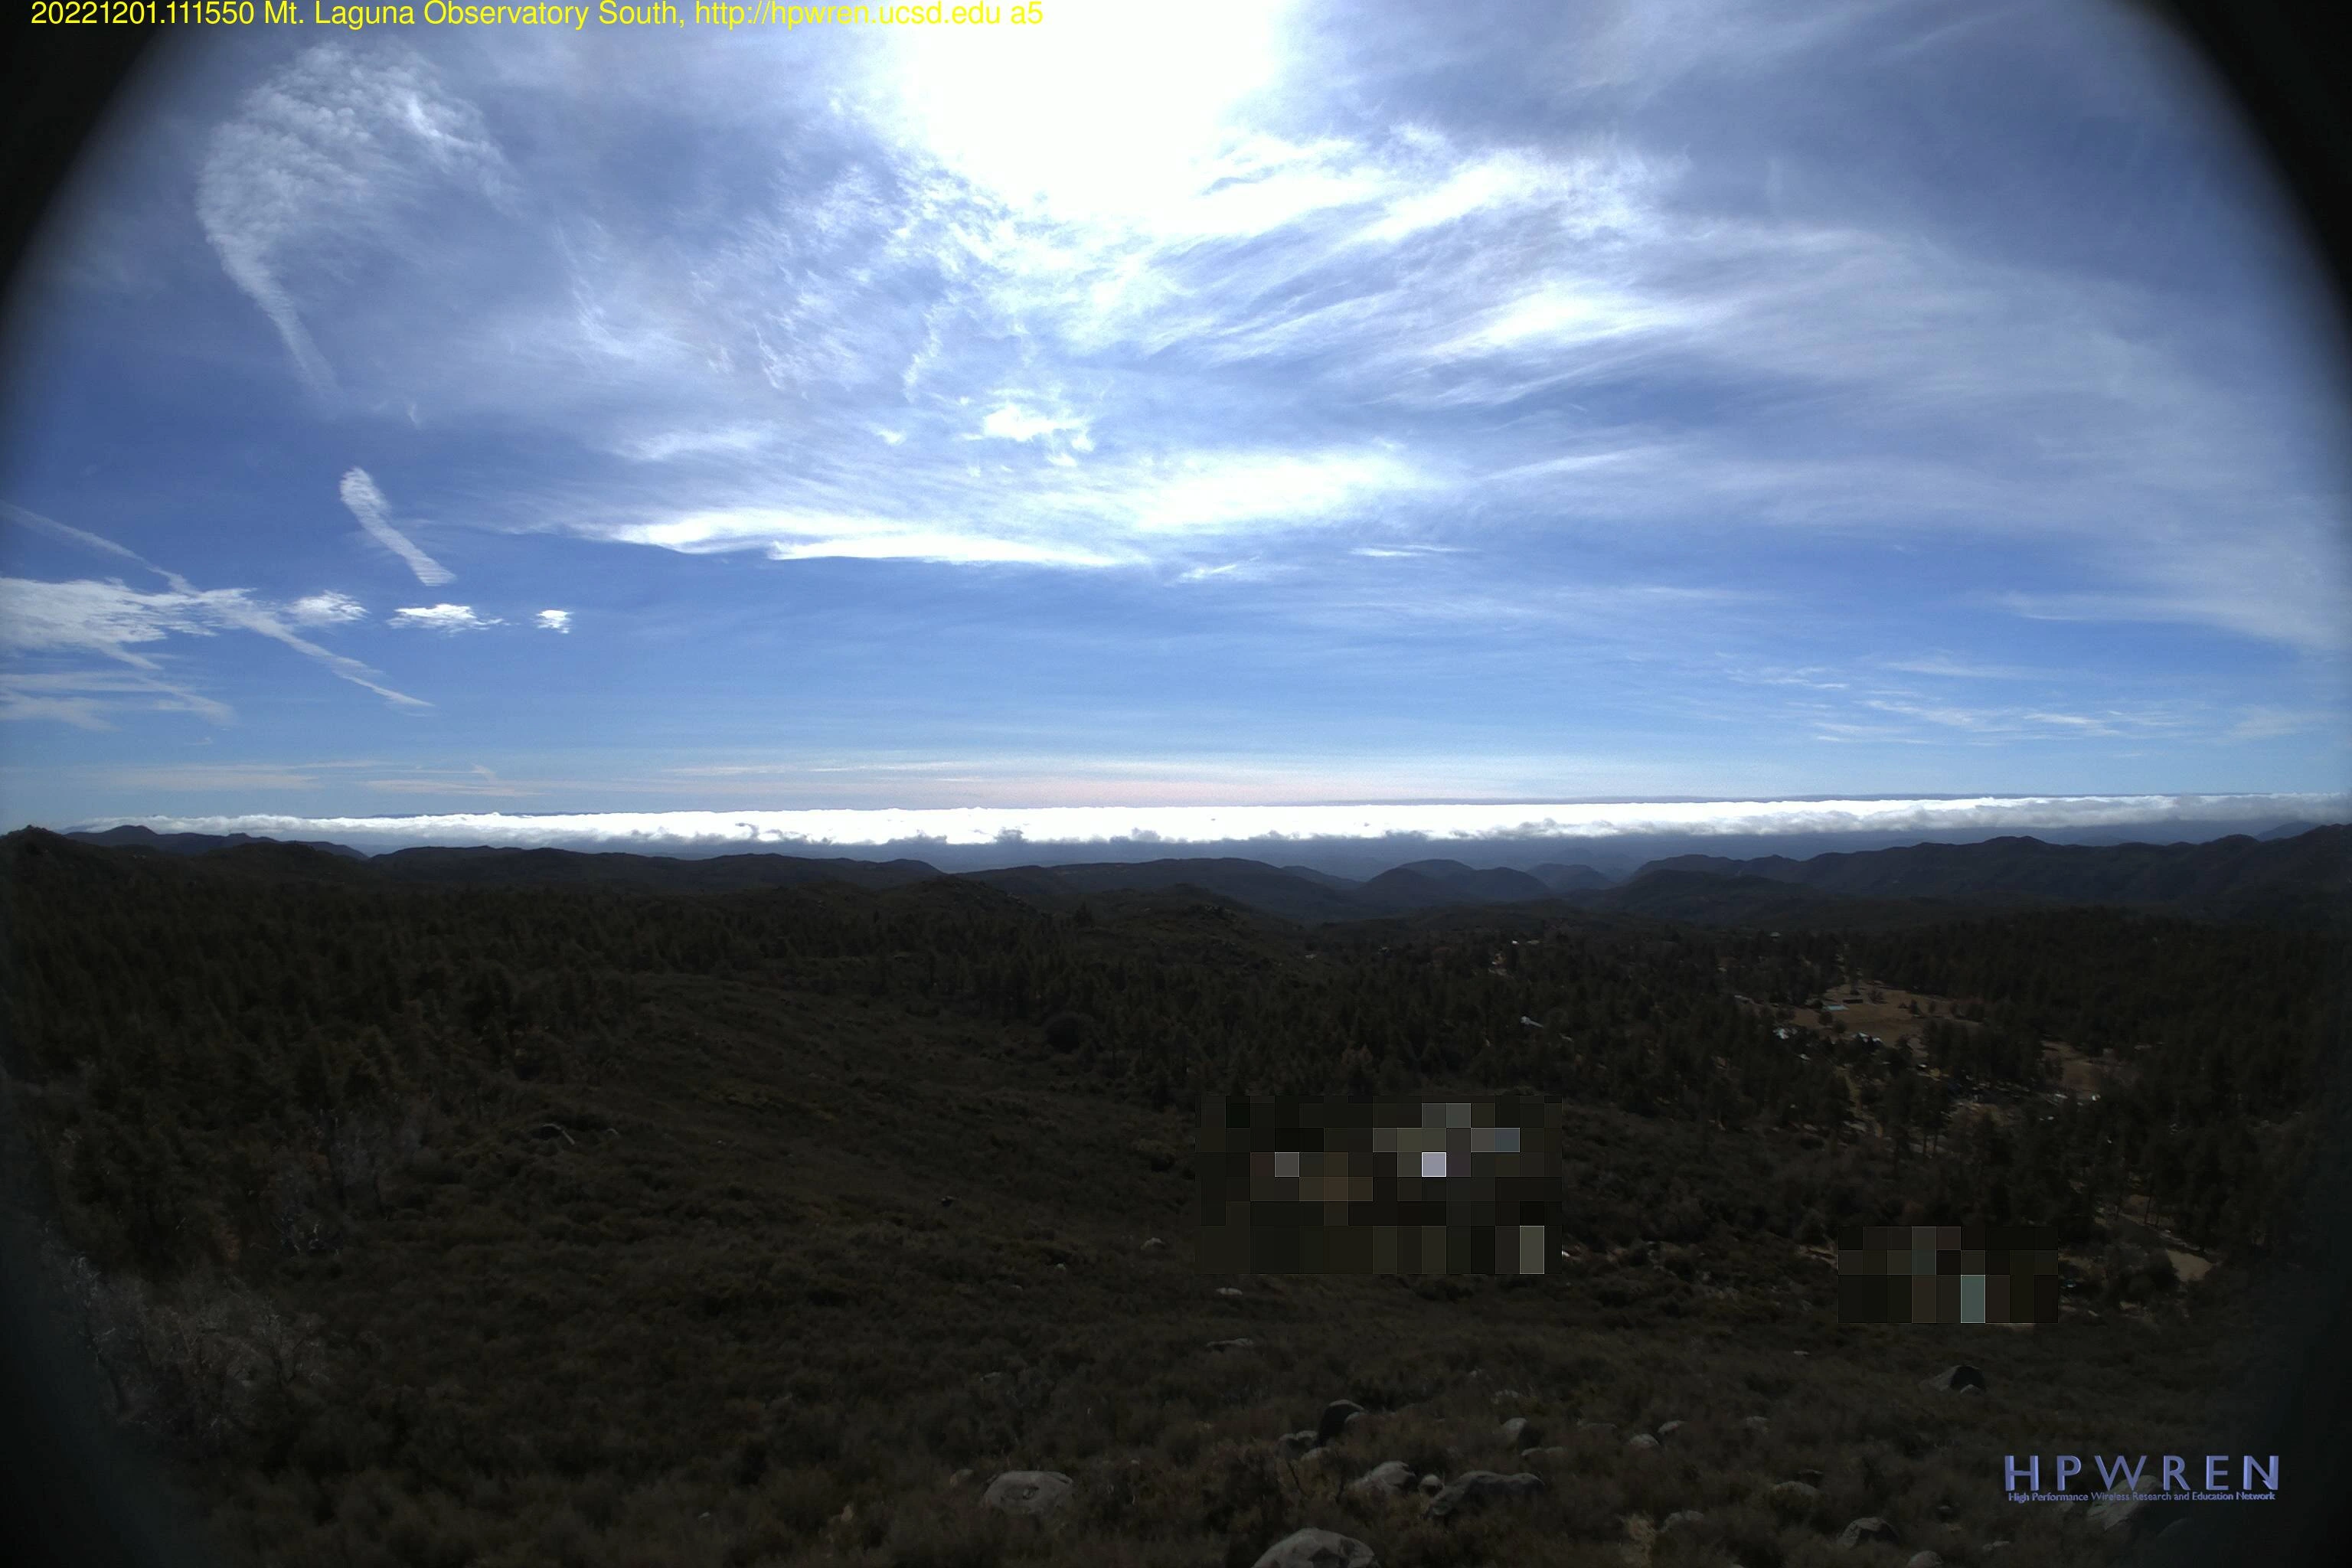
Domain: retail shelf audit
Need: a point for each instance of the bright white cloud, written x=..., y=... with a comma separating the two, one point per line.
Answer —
x=554, y=620
x=327, y=609
x=1207, y=492
x=1274, y=825
x=1013, y=423
x=443, y=618
x=801, y=536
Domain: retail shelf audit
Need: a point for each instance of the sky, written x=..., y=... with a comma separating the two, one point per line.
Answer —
x=1224, y=405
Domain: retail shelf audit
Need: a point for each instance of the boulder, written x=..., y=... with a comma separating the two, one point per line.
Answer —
x=1154, y=1244
x=1231, y=1344
x=1869, y=1528
x=1512, y=1429
x=1229, y=1292
x=1335, y=1419
x=1475, y=1490
x=1681, y=1518
x=1811, y=1478
x=1318, y=1549
x=1431, y=1485
x=1924, y=1559
x=1027, y=1491
x=1297, y=1443
x=1641, y=1443
x=1793, y=1497
x=1668, y=1429
x=959, y=1477
x=1392, y=1477
x=1961, y=1378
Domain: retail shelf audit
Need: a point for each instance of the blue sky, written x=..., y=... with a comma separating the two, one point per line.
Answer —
x=1165, y=406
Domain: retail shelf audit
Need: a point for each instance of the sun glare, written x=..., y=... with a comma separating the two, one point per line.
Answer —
x=1111, y=110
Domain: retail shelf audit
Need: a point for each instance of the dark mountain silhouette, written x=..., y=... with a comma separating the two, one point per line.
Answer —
x=2299, y=877
x=1250, y=883
x=1433, y=884
x=1500, y=885
x=1562, y=879
x=484, y=866
x=132, y=836
x=1714, y=898
x=2306, y=877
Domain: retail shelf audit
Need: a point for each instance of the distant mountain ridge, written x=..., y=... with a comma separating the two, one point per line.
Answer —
x=2222, y=877
x=2306, y=877
x=132, y=836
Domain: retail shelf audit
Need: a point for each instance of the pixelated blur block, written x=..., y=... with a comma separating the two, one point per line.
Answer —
x=1363, y=1186
x=1947, y=1274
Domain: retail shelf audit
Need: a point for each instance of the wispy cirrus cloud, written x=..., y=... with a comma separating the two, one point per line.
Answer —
x=922, y=267
x=1671, y=377
x=326, y=158
x=121, y=623
x=93, y=699
x=375, y=514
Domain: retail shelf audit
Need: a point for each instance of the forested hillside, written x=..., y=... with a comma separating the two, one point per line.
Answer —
x=311, y=1153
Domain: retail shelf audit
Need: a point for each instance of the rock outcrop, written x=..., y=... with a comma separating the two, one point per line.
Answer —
x=1869, y=1528
x=1958, y=1379
x=1392, y=1477
x=1029, y=1492
x=1318, y=1549
x=1335, y=1419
